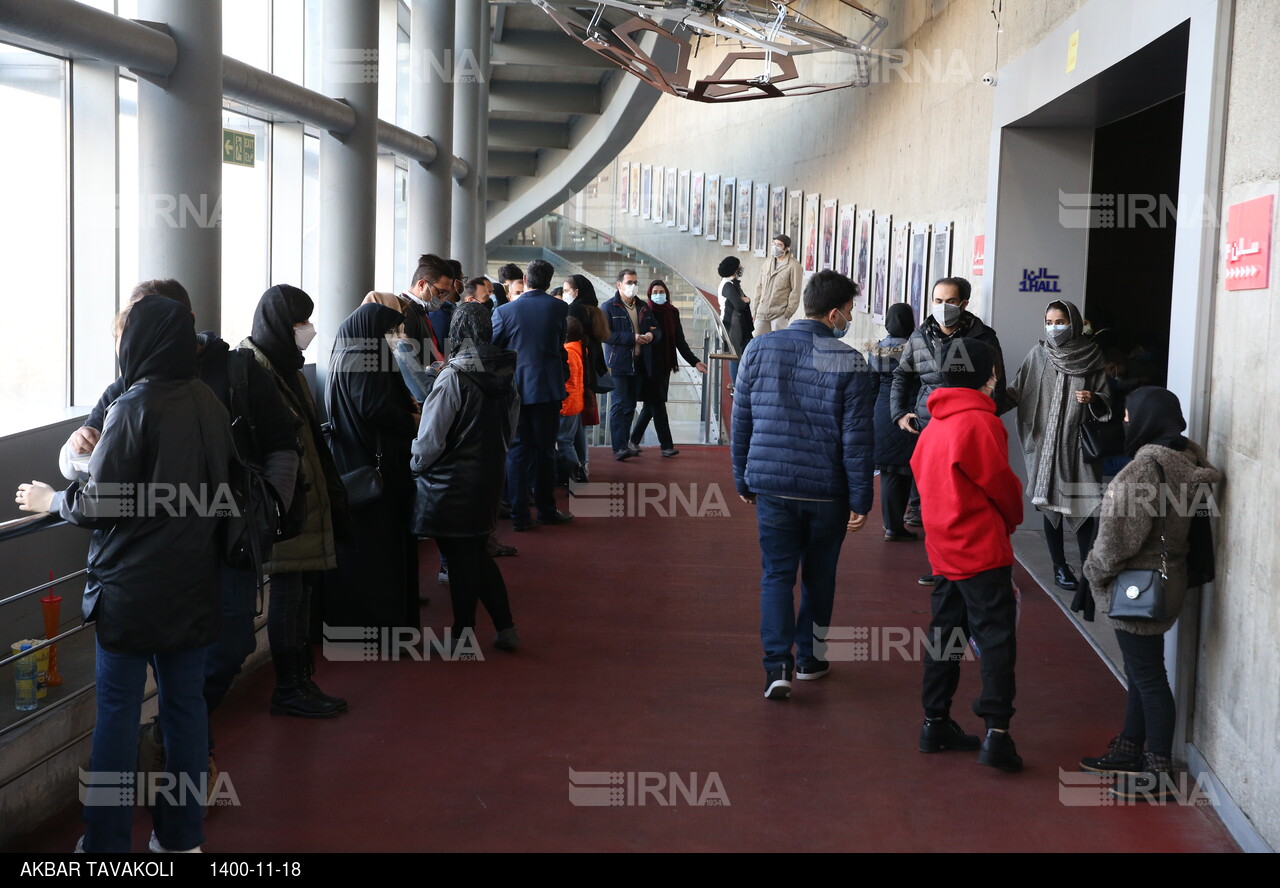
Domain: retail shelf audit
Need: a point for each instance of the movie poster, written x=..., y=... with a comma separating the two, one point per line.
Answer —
x=646, y=190
x=918, y=271
x=812, y=209
x=682, y=201
x=844, y=235
x=862, y=245
x=795, y=224
x=760, y=237
x=728, y=190
x=898, y=271
x=624, y=187
x=712, y=211
x=743, y=210
x=669, y=198
x=880, y=256
x=827, y=259
x=635, y=189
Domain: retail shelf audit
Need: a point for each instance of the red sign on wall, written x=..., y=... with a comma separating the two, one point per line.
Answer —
x=1248, y=247
x=979, y=254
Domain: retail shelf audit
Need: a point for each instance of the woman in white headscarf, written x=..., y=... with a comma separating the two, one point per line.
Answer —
x=1061, y=385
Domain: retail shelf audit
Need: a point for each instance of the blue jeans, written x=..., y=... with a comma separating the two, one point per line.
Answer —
x=622, y=410
x=567, y=457
x=177, y=815
x=804, y=535
x=237, y=639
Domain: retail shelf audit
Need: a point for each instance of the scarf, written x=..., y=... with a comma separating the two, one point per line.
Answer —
x=1155, y=417
x=668, y=318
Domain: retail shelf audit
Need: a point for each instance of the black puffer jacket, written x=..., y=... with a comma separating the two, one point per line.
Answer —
x=460, y=453
x=894, y=447
x=918, y=369
x=157, y=476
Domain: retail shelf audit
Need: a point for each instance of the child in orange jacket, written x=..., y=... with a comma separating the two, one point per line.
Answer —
x=568, y=466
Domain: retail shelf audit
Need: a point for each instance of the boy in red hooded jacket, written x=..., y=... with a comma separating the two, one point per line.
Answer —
x=961, y=466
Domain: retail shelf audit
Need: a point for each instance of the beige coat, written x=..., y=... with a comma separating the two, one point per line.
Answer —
x=779, y=289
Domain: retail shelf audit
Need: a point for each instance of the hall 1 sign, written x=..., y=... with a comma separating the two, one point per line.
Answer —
x=979, y=254
x=1248, y=247
x=237, y=147
x=1038, y=280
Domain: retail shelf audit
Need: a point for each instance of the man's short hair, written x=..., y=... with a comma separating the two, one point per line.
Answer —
x=966, y=363
x=573, y=330
x=827, y=290
x=510, y=272
x=168, y=288
x=475, y=284
x=962, y=286
x=626, y=271
x=430, y=269
x=784, y=240
x=537, y=276
x=455, y=269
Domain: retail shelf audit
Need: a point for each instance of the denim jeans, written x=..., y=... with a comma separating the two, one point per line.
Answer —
x=803, y=535
x=236, y=641
x=567, y=457
x=178, y=815
x=622, y=410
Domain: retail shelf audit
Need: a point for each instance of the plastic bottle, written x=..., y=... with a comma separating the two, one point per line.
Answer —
x=25, y=692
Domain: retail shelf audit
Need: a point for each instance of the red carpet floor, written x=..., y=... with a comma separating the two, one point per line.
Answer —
x=641, y=656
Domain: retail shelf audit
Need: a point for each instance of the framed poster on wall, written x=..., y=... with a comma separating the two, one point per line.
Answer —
x=844, y=236
x=812, y=210
x=697, y=198
x=712, y=210
x=795, y=224
x=635, y=189
x=777, y=214
x=918, y=270
x=862, y=246
x=830, y=210
x=880, y=256
x=898, y=270
x=646, y=190
x=669, y=198
x=941, y=263
x=624, y=187
x=743, y=211
x=760, y=216
x=728, y=191
x=682, y=201
x=659, y=176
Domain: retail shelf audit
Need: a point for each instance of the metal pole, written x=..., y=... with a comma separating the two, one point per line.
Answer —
x=431, y=66
x=466, y=132
x=180, y=158
x=482, y=146
x=348, y=169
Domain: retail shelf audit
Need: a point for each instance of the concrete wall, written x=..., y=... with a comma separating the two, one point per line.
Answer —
x=1237, y=717
x=917, y=144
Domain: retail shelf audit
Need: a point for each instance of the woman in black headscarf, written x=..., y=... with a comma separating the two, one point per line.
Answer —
x=281, y=331
x=656, y=387
x=373, y=422
x=1061, y=384
x=1131, y=537
x=152, y=582
x=580, y=293
x=459, y=458
x=894, y=447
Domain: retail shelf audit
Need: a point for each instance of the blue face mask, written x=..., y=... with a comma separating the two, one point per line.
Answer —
x=840, y=332
x=659, y=297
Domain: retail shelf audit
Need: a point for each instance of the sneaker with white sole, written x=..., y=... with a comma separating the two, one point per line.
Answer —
x=811, y=670
x=156, y=848
x=777, y=684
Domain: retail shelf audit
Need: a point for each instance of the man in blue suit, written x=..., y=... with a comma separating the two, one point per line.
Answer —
x=533, y=326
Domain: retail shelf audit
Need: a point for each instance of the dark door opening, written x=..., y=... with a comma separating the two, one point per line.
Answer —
x=1129, y=280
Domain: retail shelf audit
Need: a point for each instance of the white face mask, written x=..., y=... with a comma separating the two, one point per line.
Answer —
x=629, y=290
x=777, y=251
x=659, y=297
x=946, y=314
x=303, y=335
x=1058, y=336
x=570, y=295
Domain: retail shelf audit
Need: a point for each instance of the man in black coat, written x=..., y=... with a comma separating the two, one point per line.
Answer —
x=534, y=327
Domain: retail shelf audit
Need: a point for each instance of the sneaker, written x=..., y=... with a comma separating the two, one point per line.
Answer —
x=443, y=577
x=507, y=639
x=670, y=451
x=998, y=751
x=912, y=518
x=623, y=455
x=777, y=684
x=944, y=735
x=1153, y=783
x=498, y=550
x=928, y=580
x=556, y=517
x=1122, y=755
x=156, y=848
x=809, y=670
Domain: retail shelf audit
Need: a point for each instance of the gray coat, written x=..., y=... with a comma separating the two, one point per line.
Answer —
x=1130, y=525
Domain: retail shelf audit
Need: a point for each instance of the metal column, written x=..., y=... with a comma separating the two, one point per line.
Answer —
x=348, y=169
x=180, y=158
x=466, y=132
x=481, y=164
x=431, y=66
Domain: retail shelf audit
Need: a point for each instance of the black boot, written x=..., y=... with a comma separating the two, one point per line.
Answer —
x=308, y=657
x=1064, y=578
x=292, y=696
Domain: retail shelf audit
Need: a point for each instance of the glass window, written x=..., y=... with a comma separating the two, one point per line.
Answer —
x=33, y=231
x=246, y=229
x=314, y=46
x=401, y=233
x=128, y=202
x=246, y=32
x=311, y=215
x=402, y=78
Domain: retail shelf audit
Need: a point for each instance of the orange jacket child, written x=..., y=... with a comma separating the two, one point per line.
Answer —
x=572, y=405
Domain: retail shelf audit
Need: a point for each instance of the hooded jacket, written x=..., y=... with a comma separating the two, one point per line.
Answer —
x=158, y=477
x=893, y=446
x=973, y=500
x=459, y=456
x=917, y=372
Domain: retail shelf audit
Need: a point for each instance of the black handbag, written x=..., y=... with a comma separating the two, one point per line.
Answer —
x=364, y=484
x=1099, y=440
x=1138, y=595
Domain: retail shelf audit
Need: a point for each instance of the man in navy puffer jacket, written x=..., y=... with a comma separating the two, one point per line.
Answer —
x=803, y=451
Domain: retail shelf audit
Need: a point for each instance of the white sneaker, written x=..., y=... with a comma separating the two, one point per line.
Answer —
x=156, y=848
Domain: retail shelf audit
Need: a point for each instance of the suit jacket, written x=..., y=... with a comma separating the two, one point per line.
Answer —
x=533, y=326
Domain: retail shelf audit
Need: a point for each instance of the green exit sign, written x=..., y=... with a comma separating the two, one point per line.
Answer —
x=237, y=147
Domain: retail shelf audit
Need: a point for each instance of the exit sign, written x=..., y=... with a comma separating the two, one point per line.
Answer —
x=237, y=147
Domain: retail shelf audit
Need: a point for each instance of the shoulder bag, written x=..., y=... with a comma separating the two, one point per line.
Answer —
x=1138, y=595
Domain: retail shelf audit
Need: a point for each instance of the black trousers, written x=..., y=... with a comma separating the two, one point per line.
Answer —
x=531, y=461
x=895, y=489
x=1084, y=539
x=982, y=607
x=474, y=579
x=1149, y=715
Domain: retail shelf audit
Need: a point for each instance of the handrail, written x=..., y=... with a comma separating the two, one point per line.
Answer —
x=20, y=527
x=48, y=642
x=49, y=585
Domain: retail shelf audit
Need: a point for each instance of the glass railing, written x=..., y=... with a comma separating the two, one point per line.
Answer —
x=695, y=401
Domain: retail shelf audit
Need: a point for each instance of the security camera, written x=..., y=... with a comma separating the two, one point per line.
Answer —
x=989, y=79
